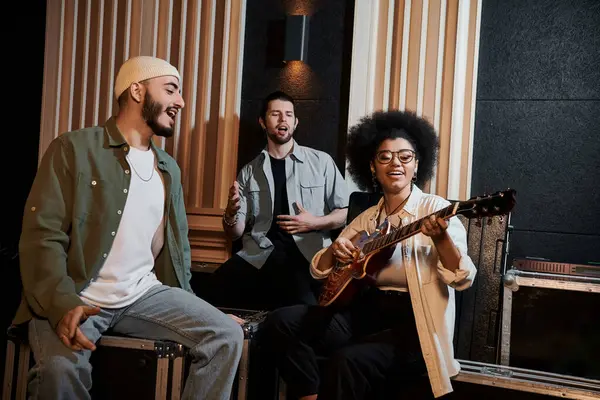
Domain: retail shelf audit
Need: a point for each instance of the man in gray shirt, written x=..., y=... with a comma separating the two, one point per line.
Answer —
x=283, y=205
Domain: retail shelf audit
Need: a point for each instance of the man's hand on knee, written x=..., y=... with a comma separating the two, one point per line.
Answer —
x=68, y=328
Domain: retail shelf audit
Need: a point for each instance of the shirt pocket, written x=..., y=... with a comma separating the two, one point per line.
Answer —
x=258, y=199
x=427, y=257
x=312, y=193
x=94, y=198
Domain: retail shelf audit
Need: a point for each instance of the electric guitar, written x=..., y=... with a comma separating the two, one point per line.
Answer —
x=373, y=250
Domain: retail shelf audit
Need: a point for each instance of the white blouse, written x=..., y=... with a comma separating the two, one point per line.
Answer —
x=415, y=264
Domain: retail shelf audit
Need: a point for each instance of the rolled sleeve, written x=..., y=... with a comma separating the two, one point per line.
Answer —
x=464, y=275
x=317, y=274
x=462, y=278
x=49, y=290
x=242, y=180
x=336, y=190
x=349, y=232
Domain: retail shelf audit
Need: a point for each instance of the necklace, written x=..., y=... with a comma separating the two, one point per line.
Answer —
x=397, y=208
x=137, y=173
x=393, y=211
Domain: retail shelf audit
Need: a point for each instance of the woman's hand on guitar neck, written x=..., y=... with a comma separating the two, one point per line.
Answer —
x=434, y=227
x=344, y=250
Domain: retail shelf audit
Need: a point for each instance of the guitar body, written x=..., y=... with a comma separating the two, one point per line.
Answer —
x=345, y=281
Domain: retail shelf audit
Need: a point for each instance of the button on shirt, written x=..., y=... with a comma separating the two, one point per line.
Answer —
x=312, y=180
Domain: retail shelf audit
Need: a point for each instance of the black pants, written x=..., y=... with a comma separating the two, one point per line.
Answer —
x=348, y=354
x=282, y=281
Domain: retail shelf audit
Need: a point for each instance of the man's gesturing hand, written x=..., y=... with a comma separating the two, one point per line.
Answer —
x=300, y=223
x=233, y=202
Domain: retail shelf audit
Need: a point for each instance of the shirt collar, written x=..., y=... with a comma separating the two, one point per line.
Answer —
x=413, y=201
x=115, y=138
x=410, y=207
x=112, y=133
x=297, y=152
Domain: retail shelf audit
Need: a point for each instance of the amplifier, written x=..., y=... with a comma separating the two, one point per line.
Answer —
x=545, y=266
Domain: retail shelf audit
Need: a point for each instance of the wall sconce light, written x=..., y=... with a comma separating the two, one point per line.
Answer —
x=296, y=38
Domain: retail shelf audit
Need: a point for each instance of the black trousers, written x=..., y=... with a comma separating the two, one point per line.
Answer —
x=283, y=280
x=346, y=354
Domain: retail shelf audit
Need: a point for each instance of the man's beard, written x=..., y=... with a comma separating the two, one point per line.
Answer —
x=151, y=110
x=281, y=140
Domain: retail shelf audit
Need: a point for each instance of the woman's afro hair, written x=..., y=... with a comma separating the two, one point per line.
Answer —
x=367, y=135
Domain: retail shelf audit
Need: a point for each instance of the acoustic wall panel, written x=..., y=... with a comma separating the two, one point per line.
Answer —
x=549, y=151
x=533, y=49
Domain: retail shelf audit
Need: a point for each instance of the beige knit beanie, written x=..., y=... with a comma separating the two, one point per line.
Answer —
x=140, y=68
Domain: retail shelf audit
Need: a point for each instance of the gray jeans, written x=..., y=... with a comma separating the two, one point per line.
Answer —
x=163, y=313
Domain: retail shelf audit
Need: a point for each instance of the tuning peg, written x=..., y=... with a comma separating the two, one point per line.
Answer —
x=501, y=218
x=490, y=220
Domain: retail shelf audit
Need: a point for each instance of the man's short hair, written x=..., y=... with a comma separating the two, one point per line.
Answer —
x=277, y=95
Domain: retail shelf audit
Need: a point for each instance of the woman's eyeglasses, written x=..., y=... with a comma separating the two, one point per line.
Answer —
x=386, y=156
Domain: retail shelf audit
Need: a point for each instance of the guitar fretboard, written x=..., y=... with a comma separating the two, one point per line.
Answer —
x=406, y=231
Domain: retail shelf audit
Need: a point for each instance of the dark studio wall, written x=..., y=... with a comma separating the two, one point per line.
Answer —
x=537, y=124
x=25, y=51
x=537, y=129
x=319, y=86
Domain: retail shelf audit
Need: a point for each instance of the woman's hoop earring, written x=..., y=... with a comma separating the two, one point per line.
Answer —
x=374, y=183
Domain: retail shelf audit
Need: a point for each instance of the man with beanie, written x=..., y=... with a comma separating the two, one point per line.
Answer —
x=104, y=246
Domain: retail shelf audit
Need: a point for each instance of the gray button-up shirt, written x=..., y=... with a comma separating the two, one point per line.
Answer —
x=312, y=180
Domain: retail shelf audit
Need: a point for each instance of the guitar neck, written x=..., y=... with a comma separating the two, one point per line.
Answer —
x=406, y=231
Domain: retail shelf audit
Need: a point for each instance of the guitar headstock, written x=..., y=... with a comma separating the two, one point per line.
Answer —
x=499, y=203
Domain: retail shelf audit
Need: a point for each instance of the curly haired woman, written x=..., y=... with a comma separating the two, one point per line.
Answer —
x=401, y=327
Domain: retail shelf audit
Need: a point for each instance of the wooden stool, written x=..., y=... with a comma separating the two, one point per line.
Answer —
x=170, y=363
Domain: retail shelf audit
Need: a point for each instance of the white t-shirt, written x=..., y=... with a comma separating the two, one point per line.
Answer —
x=128, y=271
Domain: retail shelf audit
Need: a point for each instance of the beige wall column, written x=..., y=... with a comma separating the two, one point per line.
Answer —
x=421, y=55
x=87, y=41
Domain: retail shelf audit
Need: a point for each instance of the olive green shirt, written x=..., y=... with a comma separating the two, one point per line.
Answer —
x=72, y=215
